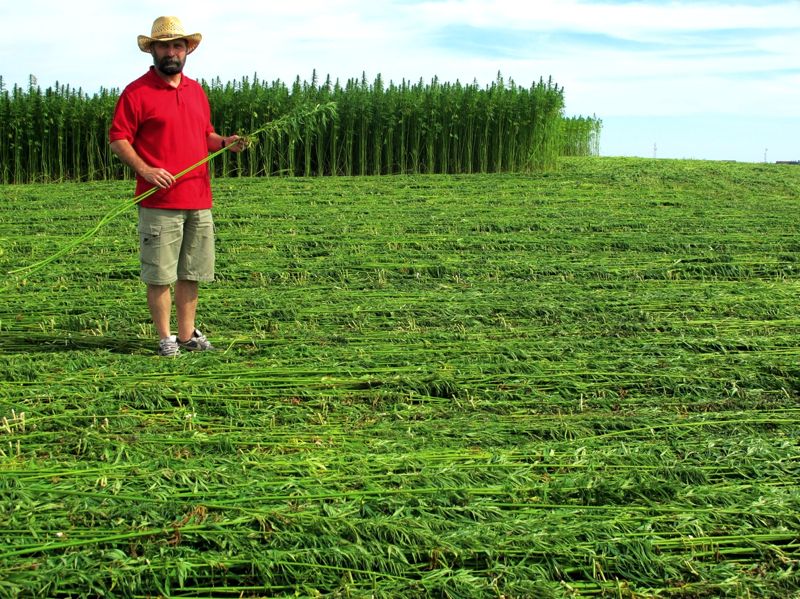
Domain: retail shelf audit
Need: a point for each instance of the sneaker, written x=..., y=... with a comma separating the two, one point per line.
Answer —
x=198, y=342
x=168, y=347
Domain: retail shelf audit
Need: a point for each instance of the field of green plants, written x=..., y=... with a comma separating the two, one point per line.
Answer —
x=574, y=383
x=61, y=133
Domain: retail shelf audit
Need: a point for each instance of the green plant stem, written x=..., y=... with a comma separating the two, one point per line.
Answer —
x=287, y=122
x=111, y=215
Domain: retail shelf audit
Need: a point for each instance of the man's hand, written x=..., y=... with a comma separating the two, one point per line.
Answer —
x=234, y=142
x=153, y=175
x=157, y=176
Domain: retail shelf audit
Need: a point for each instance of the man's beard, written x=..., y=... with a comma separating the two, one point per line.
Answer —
x=169, y=65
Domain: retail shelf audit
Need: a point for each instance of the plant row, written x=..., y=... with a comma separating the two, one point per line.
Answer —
x=60, y=133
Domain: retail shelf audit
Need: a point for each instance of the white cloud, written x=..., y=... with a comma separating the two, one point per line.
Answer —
x=636, y=20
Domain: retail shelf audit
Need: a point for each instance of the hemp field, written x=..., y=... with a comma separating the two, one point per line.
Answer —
x=570, y=384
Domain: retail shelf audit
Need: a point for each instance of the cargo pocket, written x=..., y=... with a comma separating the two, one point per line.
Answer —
x=149, y=251
x=150, y=235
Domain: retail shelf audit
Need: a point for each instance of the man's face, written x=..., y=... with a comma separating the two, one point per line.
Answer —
x=169, y=57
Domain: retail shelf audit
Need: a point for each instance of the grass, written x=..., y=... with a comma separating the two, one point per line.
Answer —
x=578, y=383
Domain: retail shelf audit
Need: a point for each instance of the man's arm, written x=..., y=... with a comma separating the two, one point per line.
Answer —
x=156, y=176
x=232, y=141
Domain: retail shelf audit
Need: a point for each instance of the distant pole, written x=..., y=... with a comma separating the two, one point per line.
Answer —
x=655, y=150
x=765, y=154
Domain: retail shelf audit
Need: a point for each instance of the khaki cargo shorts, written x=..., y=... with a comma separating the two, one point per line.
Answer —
x=176, y=244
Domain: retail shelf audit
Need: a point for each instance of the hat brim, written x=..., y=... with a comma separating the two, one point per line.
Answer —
x=192, y=41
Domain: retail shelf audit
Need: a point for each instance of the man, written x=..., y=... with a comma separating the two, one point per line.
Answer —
x=162, y=125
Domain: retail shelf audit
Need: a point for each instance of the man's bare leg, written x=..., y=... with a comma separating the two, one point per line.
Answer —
x=186, y=307
x=159, y=300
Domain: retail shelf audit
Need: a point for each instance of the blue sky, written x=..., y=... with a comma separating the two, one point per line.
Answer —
x=673, y=79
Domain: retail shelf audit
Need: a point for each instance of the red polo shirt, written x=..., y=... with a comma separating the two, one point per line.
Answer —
x=169, y=128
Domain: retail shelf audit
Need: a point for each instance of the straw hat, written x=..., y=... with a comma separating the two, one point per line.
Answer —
x=166, y=29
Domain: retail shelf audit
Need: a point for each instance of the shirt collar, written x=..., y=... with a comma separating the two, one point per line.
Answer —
x=159, y=82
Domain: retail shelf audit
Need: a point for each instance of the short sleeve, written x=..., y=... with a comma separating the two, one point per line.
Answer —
x=125, y=121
